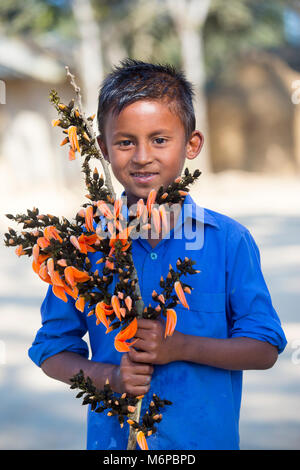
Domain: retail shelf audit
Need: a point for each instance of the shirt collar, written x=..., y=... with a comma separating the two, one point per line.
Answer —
x=189, y=210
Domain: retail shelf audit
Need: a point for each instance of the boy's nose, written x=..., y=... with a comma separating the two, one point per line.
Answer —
x=143, y=154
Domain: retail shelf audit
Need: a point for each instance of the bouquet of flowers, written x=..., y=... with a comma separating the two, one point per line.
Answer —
x=59, y=249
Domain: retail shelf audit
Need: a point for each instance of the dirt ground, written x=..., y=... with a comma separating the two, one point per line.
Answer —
x=40, y=413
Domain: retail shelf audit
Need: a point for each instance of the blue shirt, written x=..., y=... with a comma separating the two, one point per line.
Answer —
x=230, y=299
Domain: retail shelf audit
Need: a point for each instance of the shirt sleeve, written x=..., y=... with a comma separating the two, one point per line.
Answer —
x=249, y=304
x=63, y=327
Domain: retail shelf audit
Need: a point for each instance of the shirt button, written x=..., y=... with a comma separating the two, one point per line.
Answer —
x=153, y=255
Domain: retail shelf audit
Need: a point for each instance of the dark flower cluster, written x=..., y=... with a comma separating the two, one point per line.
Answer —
x=121, y=406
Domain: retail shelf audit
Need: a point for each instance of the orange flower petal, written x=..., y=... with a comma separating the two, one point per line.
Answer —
x=180, y=294
x=121, y=346
x=100, y=314
x=141, y=440
x=50, y=266
x=19, y=251
x=62, y=262
x=171, y=322
x=69, y=276
x=35, y=252
x=72, y=134
x=117, y=207
x=43, y=242
x=140, y=208
x=103, y=207
x=116, y=306
x=128, y=332
x=156, y=219
x=75, y=242
x=89, y=218
x=56, y=279
x=72, y=155
x=80, y=276
x=150, y=200
x=80, y=303
x=164, y=218
x=59, y=292
x=128, y=302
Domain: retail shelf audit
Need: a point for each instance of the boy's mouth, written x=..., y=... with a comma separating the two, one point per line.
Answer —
x=143, y=177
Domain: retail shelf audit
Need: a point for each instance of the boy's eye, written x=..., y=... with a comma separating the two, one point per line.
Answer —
x=160, y=140
x=124, y=143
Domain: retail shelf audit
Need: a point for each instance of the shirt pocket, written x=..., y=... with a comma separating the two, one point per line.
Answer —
x=206, y=315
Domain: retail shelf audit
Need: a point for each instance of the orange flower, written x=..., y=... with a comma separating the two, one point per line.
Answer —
x=123, y=237
x=43, y=242
x=43, y=273
x=124, y=335
x=109, y=264
x=140, y=208
x=89, y=218
x=35, y=252
x=117, y=208
x=73, y=292
x=20, y=251
x=72, y=154
x=56, y=279
x=64, y=142
x=171, y=322
x=59, y=292
x=74, y=276
x=180, y=294
x=103, y=207
x=36, y=263
x=51, y=232
x=128, y=302
x=163, y=215
x=85, y=242
x=115, y=303
x=62, y=262
x=80, y=303
x=101, y=314
x=150, y=200
x=72, y=134
x=156, y=219
x=75, y=242
x=56, y=122
x=141, y=440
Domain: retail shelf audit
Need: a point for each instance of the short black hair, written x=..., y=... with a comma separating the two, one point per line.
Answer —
x=134, y=80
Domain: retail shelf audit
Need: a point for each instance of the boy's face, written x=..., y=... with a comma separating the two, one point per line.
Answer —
x=146, y=146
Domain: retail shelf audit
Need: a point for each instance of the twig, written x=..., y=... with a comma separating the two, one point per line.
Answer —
x=91, y=132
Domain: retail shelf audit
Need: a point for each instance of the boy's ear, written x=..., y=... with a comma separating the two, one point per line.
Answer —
x=103, y=148
x=194, y=145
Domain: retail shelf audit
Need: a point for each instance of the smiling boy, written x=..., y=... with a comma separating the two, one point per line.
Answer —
x=147, y=131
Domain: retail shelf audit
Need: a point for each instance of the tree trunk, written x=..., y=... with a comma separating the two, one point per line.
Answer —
x=189, y=16
x=89, y=54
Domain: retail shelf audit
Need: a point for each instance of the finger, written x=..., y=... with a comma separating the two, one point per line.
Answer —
x=137, y=367
x=140, y=380
x=140, y=356
x=138, y=391
x=142, y=368
x=143, y=345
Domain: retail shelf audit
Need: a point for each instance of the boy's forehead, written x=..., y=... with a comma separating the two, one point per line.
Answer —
x=158, y=113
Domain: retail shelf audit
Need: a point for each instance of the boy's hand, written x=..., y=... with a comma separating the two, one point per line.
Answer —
x=131, y=377
x=152, y=347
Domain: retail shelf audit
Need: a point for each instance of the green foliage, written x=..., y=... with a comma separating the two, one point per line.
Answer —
x=34, y=17
x=240, y=26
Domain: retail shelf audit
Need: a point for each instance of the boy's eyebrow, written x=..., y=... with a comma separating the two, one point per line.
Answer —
x=127, y=134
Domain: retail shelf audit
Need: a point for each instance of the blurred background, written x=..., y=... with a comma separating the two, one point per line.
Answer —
x=243, y=58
